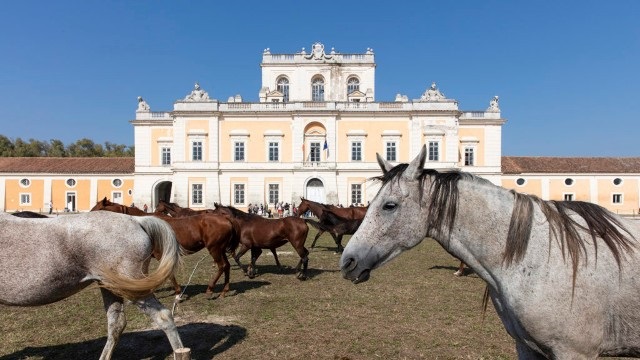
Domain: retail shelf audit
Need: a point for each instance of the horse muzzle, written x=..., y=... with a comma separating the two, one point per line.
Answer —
x=352, y=271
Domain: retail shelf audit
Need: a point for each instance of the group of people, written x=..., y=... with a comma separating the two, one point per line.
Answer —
x=281, y=209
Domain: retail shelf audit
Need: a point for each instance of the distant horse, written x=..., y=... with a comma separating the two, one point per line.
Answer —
x=46, y=261
x=341, y=215
x=29, y=215
x=336, y=226
x=210, y=231
x=257, y=233
x=175, y=210
x=562, y=275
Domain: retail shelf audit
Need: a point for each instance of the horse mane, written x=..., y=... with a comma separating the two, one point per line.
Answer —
x=563, y=227
x=237, y=212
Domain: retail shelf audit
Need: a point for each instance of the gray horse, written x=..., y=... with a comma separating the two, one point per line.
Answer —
x=47, y=260
x=561, y=275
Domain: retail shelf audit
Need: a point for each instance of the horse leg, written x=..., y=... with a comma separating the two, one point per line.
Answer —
x=460, y=271
x=222, y=263
x=116, y=321
x=338, y=240
x=255, y=254
x=320, y=232
x=275, y=256
x=163, y=319
x=236, y=256
x=302, y=264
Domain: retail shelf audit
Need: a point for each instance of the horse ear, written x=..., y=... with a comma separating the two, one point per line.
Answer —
x=414, y=170
x=384, y=164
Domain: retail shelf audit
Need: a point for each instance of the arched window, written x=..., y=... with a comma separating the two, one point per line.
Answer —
x=317, y=89
x=353, y=84
x=282, y=86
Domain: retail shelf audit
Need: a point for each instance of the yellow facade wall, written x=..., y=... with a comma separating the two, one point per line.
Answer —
x=373, y=141
x=13, y=190
x=156, y=135
x=530, y=187
x=580, y=189
x=255, y=143
x=477, y=133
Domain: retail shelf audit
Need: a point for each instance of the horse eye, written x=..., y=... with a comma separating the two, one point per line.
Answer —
x=389, y=206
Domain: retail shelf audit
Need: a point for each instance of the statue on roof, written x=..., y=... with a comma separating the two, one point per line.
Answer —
x=432, y=94
x=142, y=105
x=197, y=94
x=493, y=105
x=317, y=52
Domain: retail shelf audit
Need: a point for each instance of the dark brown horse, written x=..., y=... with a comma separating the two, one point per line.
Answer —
x=353, y=214
x=257, y=233
x=29, y=215
x=336, y=226
x=210, y=231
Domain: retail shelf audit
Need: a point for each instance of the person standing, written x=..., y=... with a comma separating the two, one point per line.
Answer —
x=50, y=204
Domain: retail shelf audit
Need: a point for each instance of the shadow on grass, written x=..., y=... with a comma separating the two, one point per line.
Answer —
x=237, y=287
x=205, y=340
x=289, y=271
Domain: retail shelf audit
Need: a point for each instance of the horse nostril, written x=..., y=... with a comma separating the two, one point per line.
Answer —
x=349, y=264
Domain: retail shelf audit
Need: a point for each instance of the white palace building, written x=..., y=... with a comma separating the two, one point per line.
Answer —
x=314, y=133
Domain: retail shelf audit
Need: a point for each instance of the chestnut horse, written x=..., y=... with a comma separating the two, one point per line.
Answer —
x=210, y=231
x=257, y=233
x=341, y=215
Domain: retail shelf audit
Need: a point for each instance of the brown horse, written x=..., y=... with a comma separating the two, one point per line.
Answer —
x=353, y=214
x=257, y=233
x=176, y=210
x=336, y=226
x=210, y=231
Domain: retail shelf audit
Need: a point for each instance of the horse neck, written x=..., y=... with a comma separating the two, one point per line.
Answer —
x=315, y=207
x=482, y=223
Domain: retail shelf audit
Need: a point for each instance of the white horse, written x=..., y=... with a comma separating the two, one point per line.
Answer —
x=46, y=260
x=562, y=276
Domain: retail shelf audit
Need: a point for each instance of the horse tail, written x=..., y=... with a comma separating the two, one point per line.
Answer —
x=235, y=235
x=164, y=242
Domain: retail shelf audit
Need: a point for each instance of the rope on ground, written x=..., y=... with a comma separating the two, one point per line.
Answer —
x=177, y=299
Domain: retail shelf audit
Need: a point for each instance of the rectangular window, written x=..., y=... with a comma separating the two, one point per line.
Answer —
x=434, y=153
x=274, y=193
x=356, y=151
x=196, y=153
x=568, y=197
x=238, y=194
x=314, y=155
x=25, y=199
x=356, y=194
x=391, y=151
x=196, y=194
x=166, y=156
x=274, y=151
x=238, y=151
x=617, y=198
x=469, y=157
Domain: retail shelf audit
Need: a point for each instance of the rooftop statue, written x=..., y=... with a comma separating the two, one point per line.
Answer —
x=493, y=105
x=142, y=105
x=432, y=94
x=197, y=94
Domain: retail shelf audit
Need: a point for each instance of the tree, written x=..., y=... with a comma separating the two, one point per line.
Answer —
x=56, y=148
x=6, y=146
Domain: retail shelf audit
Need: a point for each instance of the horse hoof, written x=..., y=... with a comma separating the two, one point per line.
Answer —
x=302, y=277
x=181, y=298
x=458, y=273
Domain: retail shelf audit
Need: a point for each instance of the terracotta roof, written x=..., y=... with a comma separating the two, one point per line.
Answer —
x=70, y=165
x=577, y=165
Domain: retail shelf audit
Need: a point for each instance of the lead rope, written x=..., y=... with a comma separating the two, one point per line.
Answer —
x=178, y=297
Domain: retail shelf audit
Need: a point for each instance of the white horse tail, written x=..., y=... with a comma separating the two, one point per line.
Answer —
x=164, y=242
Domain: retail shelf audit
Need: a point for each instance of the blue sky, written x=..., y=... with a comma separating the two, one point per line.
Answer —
x=567, y=72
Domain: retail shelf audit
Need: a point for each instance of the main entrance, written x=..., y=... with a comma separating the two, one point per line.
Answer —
x=315, y=191
x=162, y=192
